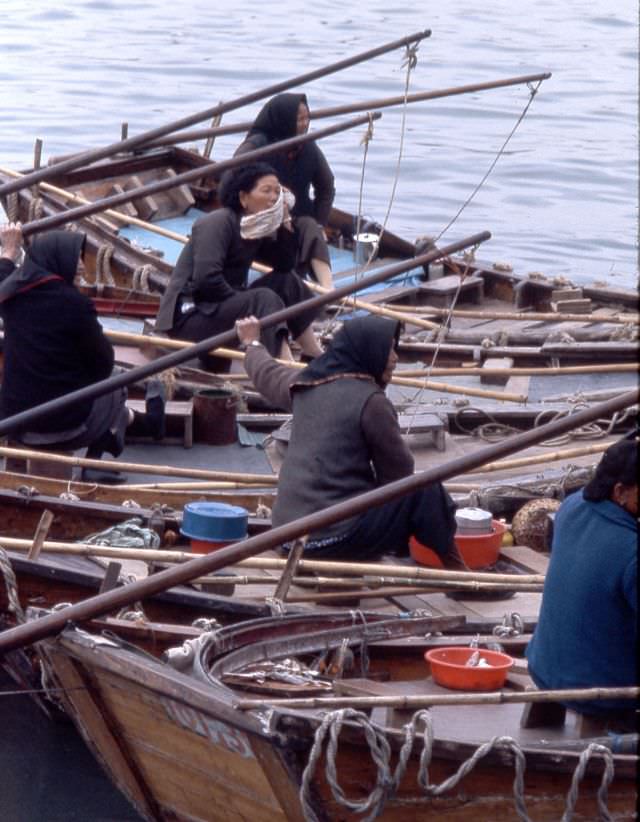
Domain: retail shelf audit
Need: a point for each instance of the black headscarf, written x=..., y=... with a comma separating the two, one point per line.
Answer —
x=50, y=256
x=277, y=118
x=362, y=346
x=619, y=463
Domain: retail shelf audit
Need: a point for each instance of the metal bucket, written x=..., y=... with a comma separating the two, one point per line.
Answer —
x=214, y=416
x=365, y=247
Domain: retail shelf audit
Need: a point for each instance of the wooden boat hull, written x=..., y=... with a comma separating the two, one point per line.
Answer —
x=180, y=751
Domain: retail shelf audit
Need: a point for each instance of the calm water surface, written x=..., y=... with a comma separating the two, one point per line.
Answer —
x=562, y=199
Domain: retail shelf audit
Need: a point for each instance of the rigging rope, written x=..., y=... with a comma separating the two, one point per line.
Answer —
x=532, y=93
x=410, y=61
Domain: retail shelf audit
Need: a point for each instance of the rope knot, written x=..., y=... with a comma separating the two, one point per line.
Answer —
x=410, y=59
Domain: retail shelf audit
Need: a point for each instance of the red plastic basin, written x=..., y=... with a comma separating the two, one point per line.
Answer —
x=477, y=550
x=448, y=669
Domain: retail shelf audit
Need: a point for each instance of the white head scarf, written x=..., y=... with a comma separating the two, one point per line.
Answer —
x=263, y=223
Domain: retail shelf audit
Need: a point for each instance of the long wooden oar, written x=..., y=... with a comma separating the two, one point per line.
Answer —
x=78, y=213
x=109, y=601
x=130, y=143
x=352, y=108
x=25, y=418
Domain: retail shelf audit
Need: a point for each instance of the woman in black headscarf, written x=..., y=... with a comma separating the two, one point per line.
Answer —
x=345, y=440
x=209, y=286
x=54, y=345
x=298, y=169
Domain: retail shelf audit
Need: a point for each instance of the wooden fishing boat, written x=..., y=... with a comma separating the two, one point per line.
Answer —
x=133, y=265
x=187, y=744
x=497, y=324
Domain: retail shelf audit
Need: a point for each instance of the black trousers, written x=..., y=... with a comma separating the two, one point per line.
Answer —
x=268, y=294
x=427, y=514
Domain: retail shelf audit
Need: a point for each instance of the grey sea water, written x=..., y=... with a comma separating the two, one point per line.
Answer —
x=561, y=199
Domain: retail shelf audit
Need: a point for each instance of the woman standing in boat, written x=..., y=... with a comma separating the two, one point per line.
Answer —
x=345, y=440
x=298, y=169
x=209, y=287
x=54, y=345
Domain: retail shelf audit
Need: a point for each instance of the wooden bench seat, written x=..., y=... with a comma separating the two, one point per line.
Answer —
x=180, y=410
x=441, y=292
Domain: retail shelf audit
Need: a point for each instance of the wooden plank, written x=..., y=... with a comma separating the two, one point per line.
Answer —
x=100, y=734
x=526, y=558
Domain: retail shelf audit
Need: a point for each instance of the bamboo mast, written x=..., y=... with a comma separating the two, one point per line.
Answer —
x=351, y=108
x=91, y=156
x=71, y=214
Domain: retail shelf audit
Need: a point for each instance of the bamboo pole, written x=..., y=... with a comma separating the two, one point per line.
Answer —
x=399, y=591
x=394, y=314
x=533, y=316
x=133, y=142
x=502, y=465
x=25, y=418
x=351, y=108
x=565, y=370
x=353, y=585
x=432, y=385
x=118, y=216
x=181, y=345
x=413, y=703
x=96, y=206
x=373, y=571
x=236, y=479
x=567, y=453
x=104, y=603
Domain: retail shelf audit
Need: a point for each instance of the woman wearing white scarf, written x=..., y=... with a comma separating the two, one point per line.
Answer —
x=209, y=289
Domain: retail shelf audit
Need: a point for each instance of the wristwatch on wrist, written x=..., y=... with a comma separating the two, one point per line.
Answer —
x=252, y=344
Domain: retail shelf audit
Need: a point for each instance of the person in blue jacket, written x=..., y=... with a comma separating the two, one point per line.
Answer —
x=587, y=630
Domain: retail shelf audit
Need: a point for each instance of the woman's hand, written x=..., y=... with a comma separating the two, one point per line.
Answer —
x=11, y=240
x=248, y=330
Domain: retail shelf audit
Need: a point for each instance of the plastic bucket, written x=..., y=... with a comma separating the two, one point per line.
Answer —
x=477, y=550
x=213, y=525
x=214, y=416
x=449, y=668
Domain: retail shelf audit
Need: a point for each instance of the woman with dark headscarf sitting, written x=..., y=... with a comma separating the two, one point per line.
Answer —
x=587, y=632
x=345, y=440
x=54, y=345
x=209, y=287
x=298, y=169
